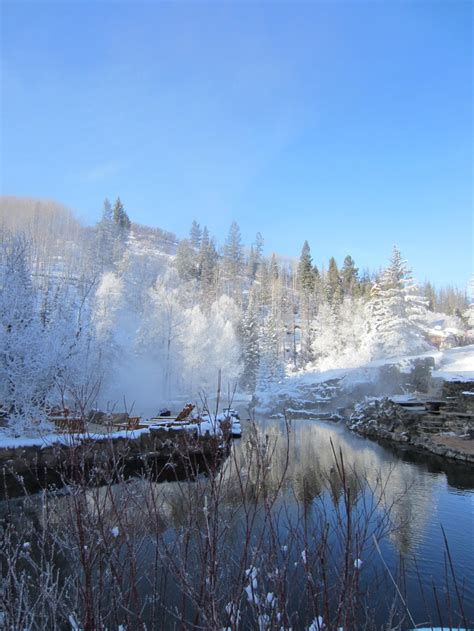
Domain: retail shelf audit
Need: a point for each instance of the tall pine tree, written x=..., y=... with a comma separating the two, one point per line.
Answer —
x=349, y=276
x=120, y=217
x=249, y=339
x=397, y=314
x=333, y=283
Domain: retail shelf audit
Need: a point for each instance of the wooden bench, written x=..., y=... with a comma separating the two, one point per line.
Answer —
x=133, y=422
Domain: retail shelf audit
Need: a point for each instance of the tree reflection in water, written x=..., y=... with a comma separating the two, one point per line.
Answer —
x=281, y=535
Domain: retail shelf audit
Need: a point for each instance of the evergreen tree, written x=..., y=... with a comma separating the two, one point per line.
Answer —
x=307, y=280
x=397, y=313
x=263, y=284
x=233, y=263
x=207, y=262
x=429, y=293
x=195, y=235
x=106, y=236
x=333, y=283
x=306, y=274
x=107, y=213
x=271, y=368
x=365, y=285
x=249, y=339
x=120, y=217
x=186, y=261
x=259, y=245
x=274, y=270
x=307, y=335
x=252, y=264
x=255, y=256
x=326, y=342
x=233, y=252
x=349, y=276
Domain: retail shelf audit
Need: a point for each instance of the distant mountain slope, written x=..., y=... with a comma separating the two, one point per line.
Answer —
x=61, y=246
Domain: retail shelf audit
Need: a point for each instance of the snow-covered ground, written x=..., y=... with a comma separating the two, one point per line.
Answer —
x=455, y=364
x=209, y=424
x=7, y=441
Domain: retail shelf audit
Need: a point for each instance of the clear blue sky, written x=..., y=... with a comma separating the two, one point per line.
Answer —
x=345, y=123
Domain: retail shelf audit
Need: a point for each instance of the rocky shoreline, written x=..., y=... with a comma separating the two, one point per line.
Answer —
x=430, y=413
x=443, y=425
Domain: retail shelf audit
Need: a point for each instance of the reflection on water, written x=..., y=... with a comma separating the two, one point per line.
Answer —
x=407, y=491
x=423, y=493
x=296, y=470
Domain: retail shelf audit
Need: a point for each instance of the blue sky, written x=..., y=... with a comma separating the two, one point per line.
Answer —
x=345, y=123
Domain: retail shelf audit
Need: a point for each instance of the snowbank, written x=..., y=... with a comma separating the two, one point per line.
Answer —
x=7, y=441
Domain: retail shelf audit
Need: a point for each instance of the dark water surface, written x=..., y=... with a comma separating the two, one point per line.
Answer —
x=422, y=495
x=429, y=493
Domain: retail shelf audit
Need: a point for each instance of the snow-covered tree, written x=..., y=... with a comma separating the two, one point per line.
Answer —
x=120, y=217
x=468, y=317
x=109, y=236
x=233, y=262
x=207, y=263
x=349, y=276
x=334, y=290
x=109, y=300
x=397, y=314
x=159, y=335
x=249, y=340
x=307, y=279
x=271, y=368
x=327, y=340
x=40, y=339
x=195, y=235
x=255, y=256
x=196, y=348
x=339, y=335
x=186, y=261
x=306, y=273
x=224, y=318
x=209, y=343
x=22, y=375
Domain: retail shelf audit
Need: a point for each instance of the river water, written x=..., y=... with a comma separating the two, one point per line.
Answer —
x=419, y=509
x=429, y=495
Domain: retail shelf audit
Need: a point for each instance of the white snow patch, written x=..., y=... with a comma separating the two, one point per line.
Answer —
x=456, y=364
x=7, y=441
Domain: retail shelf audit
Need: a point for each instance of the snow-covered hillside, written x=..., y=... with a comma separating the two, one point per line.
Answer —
x=126, y=316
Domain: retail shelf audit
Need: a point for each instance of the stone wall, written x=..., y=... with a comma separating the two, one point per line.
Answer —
x=165, y=455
